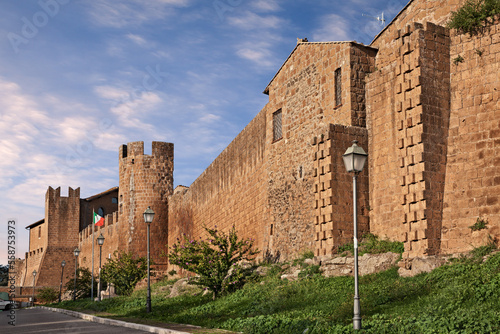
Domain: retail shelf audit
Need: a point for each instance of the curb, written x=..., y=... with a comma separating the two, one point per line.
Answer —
x=112, y=322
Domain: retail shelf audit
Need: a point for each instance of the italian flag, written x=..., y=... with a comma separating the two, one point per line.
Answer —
x=98, y=220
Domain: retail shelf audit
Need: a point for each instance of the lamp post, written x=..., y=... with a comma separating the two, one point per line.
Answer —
x=33, y=299
x=354, y=161
x=100, y=242
x=76, y=252
x=148, y=218
x=63, y=263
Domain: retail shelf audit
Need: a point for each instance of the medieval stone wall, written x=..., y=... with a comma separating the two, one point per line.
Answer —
x=231, y=191
x=472, y=187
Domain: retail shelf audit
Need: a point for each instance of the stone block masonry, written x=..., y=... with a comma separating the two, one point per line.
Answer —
x=145, y=180
x=408, y=181
x=333, y=189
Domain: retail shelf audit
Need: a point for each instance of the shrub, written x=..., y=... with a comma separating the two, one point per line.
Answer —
x=215, y=260
x=4, y=275
x=47, y=295
x=83, y=283
x=474, y=16
x=124, y=271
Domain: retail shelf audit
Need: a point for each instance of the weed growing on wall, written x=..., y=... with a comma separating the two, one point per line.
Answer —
x=479, y=225
x=371, y=244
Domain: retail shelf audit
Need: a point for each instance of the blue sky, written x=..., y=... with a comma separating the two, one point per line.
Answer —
x=80, y=78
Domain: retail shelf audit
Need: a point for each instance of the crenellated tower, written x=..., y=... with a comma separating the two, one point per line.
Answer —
x=145, y=180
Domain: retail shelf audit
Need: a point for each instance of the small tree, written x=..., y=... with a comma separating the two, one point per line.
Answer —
x=124, y=271
x=83, y=283
x=47, y=295
x=215, y=260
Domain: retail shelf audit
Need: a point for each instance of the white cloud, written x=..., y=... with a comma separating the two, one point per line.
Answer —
x=260, y=53
x=131, y=12
x=252, y=21
x=333, y=28
x=137, y=39
x=265, y=5
x=129, y=106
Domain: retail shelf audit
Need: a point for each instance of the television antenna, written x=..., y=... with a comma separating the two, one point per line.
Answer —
x=378, y=18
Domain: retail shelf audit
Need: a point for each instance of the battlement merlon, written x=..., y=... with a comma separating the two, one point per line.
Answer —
x=135, y=149
x=56, y=193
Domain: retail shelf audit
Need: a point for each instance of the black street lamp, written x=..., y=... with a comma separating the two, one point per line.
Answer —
x=148, y=218
x=63, y=263
x=33, y=298
x=76, y=252
x=100, y=242
x=354, y=161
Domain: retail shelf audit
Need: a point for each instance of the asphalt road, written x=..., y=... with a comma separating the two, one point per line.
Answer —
x=44, y=321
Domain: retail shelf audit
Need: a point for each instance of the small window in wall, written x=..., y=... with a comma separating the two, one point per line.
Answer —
x=271, y=230
x=39, y=232
x=100, y=212
x=277, y=128
x=114, y=200
x=338, y=87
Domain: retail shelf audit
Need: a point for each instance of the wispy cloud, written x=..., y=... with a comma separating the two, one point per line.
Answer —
x=263, y=33
x=120, y=14
x=265, y=5
x=137, y=39
x=251, y=21
x=333, y=27
x=130, y=106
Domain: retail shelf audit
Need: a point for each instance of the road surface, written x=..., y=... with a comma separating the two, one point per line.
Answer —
x=44, y=321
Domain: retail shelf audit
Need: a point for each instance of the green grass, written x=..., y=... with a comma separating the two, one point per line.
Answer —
x=462, y=297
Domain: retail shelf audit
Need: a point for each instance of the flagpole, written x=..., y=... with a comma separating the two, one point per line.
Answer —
x=92, y=284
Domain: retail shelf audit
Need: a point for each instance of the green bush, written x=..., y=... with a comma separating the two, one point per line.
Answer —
x=47, y=295
x=83, y=283
x=215, y=260
x=474, y=16
x=124, y=270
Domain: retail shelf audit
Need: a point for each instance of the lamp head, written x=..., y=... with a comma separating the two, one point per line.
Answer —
x=100, y=240
x=149, y=215
x=354, y=158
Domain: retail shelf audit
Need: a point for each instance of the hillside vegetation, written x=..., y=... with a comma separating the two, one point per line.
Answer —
x=460, y=297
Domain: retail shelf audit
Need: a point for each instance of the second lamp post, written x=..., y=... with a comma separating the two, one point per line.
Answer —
x=63, y=263
x=100, y=242
x=148, y=219
x=76, y=252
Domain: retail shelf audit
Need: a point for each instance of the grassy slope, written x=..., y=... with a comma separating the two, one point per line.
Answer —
x=460, y=298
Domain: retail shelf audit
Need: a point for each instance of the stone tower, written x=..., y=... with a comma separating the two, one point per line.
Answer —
x=145, y=180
